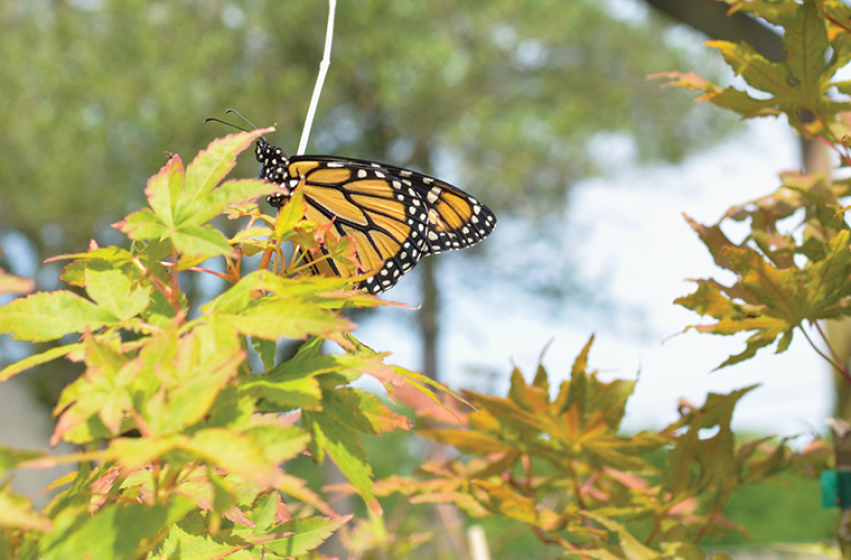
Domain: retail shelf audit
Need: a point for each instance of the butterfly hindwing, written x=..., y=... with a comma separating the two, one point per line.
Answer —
x=396, y=215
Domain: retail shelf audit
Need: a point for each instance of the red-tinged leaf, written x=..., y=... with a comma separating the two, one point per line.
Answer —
x=222, y=501
x=499, y=497
x=527, y=397
x=200, y=241
x=625, y=543
x=380, y=417
x=778, y=290
x=426, y=404
x=755, y=343
x=465, y=502
x=230, y=192
x=580, y=364
x=120, y=531
x=37, y=359
x=105, y=258
x=304, y=534
x=50, y=315
x=708, y=300
x=688, y=80
x=288, y=392
x=11, y=284
x=828, y=278
x=297, y=488
x=297, y=318
x=114, y=291
x=278, y=441
x=235, y=453
x=423, y=383
x=11, y=458
x=222, y=448
x=715, y=241
x=133, y=454
x=714, y=455
x=165, y=189
x=257, y=234
x=468, y=441
x=343, y=250
x=101, y=392
x=187, y=399
x=143, y=225
x=208, y=169
x=290, y=215
x=267, y=511
x=182, y=544
x=629, y=480
x=16, y=512
x=507, y=413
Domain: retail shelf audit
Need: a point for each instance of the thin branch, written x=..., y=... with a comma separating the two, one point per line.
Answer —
x=842, y=367
x=320, y=80
x=839, y=367
x=710, y=519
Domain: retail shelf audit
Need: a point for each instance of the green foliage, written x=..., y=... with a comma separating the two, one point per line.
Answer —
x=561, y=466
x=185, y=451
x=201, y=477
x=784, y=281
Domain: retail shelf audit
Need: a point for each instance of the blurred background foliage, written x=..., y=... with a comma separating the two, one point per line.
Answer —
x=513, y=100
x=504, y=94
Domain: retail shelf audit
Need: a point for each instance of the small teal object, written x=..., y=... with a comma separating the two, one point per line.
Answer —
x=836, y=489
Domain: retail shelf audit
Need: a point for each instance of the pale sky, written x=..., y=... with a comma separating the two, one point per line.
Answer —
x=628, y=228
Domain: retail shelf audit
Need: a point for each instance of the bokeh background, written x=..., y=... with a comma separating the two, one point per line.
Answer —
x=541, y=108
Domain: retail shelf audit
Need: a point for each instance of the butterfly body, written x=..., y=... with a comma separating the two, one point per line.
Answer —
x=396, y=216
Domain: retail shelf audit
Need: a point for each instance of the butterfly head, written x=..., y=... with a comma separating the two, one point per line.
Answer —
x=275, y=163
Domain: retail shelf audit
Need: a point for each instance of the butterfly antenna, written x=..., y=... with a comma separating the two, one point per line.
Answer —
x=238, y=114
x=214, y=119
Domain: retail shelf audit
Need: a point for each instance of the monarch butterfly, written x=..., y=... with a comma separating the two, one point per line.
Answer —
x=396, y=216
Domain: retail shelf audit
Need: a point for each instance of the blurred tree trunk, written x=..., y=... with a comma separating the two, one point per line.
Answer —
x=710, y=17
x=428, y=317
x=816, y=159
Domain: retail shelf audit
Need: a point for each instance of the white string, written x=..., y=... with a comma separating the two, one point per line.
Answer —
x=320, y=80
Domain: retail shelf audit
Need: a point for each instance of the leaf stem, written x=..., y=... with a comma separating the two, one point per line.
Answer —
x=175, y=286
x=835, y=142
x=320, y=80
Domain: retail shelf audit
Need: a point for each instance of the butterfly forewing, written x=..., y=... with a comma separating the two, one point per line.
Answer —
x=396, y=215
